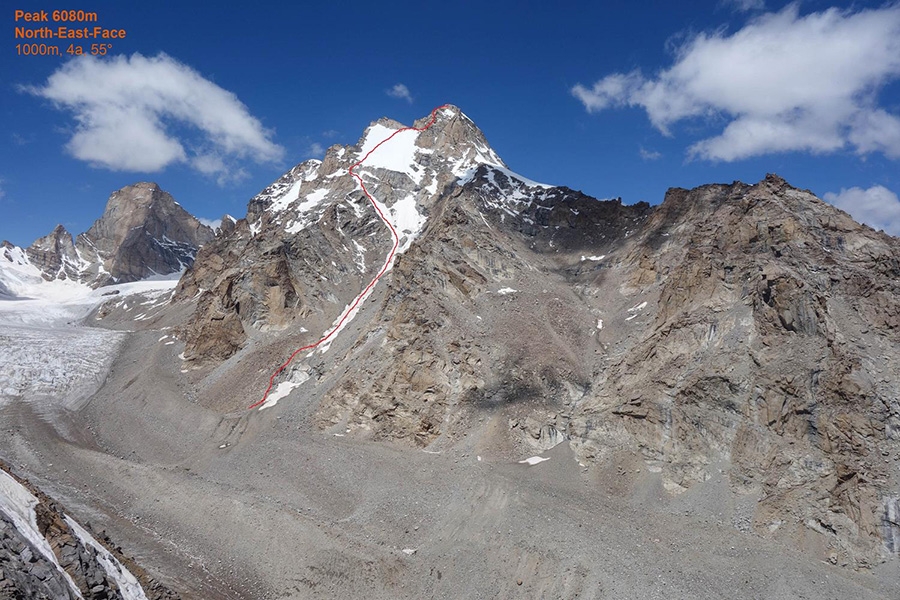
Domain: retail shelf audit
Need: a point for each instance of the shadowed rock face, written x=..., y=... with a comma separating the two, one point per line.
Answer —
x=752, y=329
x=143, y=232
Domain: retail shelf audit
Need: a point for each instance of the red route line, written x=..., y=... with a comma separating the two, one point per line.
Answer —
x=387, y=262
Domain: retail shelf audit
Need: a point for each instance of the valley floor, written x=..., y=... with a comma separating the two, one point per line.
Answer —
x=262, y=504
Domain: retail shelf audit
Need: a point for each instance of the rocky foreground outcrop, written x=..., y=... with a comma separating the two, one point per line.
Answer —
x=78, y=568
x=752, y=330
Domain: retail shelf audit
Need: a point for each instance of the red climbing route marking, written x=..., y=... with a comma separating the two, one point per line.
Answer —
x=387, y=262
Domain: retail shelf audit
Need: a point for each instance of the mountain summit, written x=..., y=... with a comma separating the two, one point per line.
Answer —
x=317, y=207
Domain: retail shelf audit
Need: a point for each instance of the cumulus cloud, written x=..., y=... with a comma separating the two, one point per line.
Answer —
x=877, y=207
x=400, y=91
x=142, y=114
x=784, y=82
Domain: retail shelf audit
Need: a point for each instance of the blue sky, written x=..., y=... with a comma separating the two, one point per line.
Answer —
x=214, y=101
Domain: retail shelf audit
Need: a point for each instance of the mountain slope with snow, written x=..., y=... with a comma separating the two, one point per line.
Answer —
x=315, y=229
x=440, y=339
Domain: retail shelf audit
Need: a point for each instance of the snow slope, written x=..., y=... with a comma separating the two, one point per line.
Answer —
x=398, y=154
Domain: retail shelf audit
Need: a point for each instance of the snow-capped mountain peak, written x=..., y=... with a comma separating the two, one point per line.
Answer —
x=405, y=167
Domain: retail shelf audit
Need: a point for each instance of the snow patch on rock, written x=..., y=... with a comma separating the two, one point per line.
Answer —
x=18, y=504
x=398, y=154
x=533, y=460
x=283, y=389
x=129, y=586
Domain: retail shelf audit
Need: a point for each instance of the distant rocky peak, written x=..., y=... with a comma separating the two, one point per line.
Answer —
x=55, y=255
x=140, y=193
x=59, y=237
x=138, y=198
x=135, y=205
x=143, y=232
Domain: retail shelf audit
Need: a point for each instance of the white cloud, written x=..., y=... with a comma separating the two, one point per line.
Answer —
x=213, y=165
x=213, y=223
x=877, y=207
x=131, y=114
x=316, y=149
x=745, y=5
x=400, y=91
x=612, y=90
x=783, y=82
x=649, y=154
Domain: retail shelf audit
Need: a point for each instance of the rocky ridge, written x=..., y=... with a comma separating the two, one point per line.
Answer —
x=745, y=329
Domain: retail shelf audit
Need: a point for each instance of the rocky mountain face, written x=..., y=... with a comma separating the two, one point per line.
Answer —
x=55, y=255
x=768, y=347
x=142, y=232
x=311, y=240
x=751, y=330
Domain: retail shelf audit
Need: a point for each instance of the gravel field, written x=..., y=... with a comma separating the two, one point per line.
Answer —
x=265, y=505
